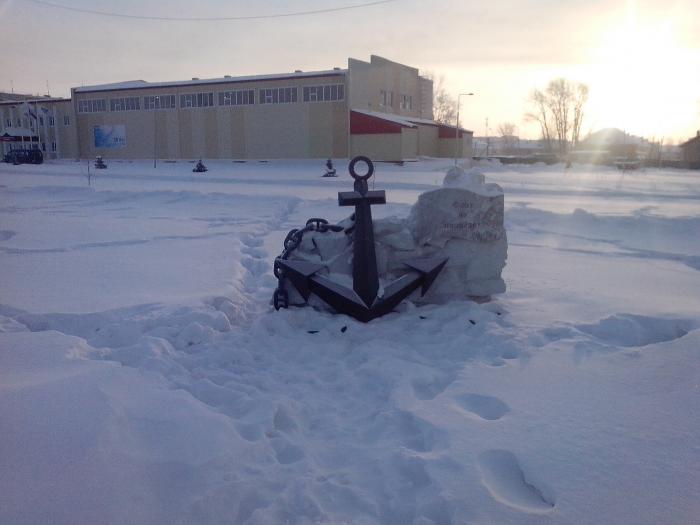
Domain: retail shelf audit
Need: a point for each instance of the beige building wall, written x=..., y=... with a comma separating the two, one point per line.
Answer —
x=427, y=140
x=286, y=130
x=367, y=81
x=409, y=144
x=65, y=131
x=446, y=146
x=378, y=146
x=426, y=90
x=56, y=134
x=691, y=150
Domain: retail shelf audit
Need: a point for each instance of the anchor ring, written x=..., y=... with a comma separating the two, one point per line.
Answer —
x=370, y=168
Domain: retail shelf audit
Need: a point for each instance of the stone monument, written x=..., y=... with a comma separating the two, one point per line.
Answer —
x=463, y=221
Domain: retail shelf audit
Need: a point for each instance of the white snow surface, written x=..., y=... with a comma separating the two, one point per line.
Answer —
x=145, y=378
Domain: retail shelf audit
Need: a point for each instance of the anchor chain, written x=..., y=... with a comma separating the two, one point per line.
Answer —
x=280, y=299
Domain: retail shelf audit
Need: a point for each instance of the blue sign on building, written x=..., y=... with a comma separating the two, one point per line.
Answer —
x=110, y=136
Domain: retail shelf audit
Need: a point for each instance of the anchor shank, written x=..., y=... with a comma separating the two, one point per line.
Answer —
x=364, y=273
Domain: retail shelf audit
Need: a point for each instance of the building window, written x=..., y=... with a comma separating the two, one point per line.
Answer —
x=283, y=95
x=43, y=146
x=125, y=104
x=237, y=98
x=406, y=102
x=8, y=122
x=328, y=93
x=159, y=102
x=53, y=146
x=41, y=121
x=51, y=121
x=386, y=98
x=197, y=100
x=66, y=120
x=92, y=105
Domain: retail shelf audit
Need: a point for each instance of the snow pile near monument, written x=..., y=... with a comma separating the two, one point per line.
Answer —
x=462, y=221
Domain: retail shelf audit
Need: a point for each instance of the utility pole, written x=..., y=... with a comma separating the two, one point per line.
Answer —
x=457, y=126
x=488, y=139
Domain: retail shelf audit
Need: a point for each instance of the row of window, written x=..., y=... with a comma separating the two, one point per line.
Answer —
x=386, y=99
x=159, y=102
x=278, y=95
x=124, y=104
x=328, y=93
x=25, y=122
x=242, y=97
x=93, y=105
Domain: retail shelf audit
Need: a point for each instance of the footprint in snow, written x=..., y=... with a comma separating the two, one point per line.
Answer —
x=251, y=241
x=428, y=388
x=6, y=234
x=508, y=483
x=256, y=267
x=630, y=330
x=286, y=453
x=484, y=407
x=257, y=253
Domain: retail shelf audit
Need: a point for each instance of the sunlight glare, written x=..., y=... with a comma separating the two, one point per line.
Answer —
x=645, y=78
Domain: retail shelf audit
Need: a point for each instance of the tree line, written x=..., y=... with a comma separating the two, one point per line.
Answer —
x=558, y=109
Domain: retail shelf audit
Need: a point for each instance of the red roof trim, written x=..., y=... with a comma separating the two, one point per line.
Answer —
x=449, y=132
x=363, y=124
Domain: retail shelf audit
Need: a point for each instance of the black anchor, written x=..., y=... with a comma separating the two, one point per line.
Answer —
x=364, y=301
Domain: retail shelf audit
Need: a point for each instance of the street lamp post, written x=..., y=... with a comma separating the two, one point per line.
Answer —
x=457, y=127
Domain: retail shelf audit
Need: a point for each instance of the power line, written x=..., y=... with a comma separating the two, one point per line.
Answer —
x=210, y=19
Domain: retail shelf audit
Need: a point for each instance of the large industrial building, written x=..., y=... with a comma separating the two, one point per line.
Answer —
x=379, y=108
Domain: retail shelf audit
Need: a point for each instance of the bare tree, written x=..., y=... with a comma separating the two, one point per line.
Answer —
x=507, y=132
x=444, y=106
x=580, y=99
x=559, y=111
x=655, y=151
x=559, y=96
x=540, y=114
x=506, y=129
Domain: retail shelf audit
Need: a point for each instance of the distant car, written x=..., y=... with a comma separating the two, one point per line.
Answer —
x=24, y=156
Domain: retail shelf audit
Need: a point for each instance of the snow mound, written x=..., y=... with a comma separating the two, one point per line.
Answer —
x=637, y=330
x=471, y=179
x=508, y=483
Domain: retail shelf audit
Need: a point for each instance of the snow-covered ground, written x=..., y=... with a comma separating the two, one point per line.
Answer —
x=145, y=379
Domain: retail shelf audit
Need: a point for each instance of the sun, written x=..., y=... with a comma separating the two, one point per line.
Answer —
x=644, y=78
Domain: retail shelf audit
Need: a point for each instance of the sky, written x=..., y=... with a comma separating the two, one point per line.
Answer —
x=640, y=58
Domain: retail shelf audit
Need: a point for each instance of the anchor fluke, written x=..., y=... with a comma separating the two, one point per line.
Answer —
x=430, y=268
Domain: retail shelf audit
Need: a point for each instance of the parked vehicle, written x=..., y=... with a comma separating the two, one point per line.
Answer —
x=24, y=156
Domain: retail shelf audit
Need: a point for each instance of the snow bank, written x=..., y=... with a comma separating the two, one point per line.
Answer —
x=145, y=379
